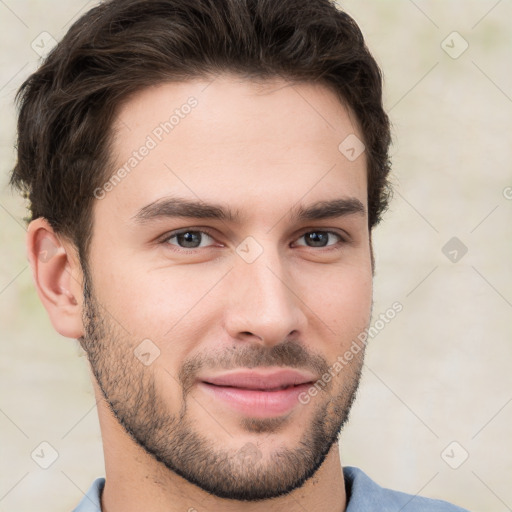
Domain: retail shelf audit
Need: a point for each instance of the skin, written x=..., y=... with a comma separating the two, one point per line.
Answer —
x=261, y=150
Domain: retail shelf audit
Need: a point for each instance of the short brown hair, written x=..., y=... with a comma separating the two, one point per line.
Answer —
x=67, y=107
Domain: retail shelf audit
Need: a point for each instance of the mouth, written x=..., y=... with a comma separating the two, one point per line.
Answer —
x=258, y=394
x=288, y=386
x=261, y=380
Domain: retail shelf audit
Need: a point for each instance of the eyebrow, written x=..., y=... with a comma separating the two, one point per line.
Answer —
x=169, y=207
x=330, y=209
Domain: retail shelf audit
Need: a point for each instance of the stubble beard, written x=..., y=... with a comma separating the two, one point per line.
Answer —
x=245, y=473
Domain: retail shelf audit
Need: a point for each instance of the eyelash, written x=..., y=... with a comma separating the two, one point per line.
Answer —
x=183, y=250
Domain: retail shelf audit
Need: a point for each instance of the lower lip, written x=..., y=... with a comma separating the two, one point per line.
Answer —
x=255, y=403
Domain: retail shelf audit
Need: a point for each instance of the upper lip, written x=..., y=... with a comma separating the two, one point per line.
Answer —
x=261, y=379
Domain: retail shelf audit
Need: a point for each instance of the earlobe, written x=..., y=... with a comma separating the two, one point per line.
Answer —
x=58, y=277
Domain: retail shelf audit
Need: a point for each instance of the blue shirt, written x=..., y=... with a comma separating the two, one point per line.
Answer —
x=363, y=495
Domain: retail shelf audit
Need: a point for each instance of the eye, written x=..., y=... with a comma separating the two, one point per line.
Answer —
x=320, y=239
x=189, y=239
x=196, y=239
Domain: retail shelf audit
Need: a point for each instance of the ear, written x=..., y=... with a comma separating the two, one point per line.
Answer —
x=58, y=277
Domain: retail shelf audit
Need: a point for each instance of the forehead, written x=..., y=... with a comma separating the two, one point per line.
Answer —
x=234, y=141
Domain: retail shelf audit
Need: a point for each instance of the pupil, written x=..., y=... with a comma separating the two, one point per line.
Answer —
x=189, y=239
x=318, y=239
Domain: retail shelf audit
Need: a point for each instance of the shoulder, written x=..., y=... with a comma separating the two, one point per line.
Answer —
x=91, y=502
x=363, y=494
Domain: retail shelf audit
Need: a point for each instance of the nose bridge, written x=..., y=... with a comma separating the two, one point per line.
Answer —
x=262, y=300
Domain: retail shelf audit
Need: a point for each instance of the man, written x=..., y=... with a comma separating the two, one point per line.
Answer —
x=204, y=177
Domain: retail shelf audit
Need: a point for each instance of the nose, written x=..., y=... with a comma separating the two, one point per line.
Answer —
x=263, y=302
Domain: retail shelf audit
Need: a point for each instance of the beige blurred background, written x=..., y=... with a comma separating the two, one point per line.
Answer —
x=434, y=412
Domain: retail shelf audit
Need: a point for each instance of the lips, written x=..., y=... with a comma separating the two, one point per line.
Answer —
x=261, y=380
x=262, y=393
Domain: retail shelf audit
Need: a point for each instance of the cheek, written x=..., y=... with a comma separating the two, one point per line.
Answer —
x=341, y=301
x=163, y=304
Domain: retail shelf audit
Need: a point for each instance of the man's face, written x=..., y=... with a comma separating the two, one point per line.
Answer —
x=182, y=297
